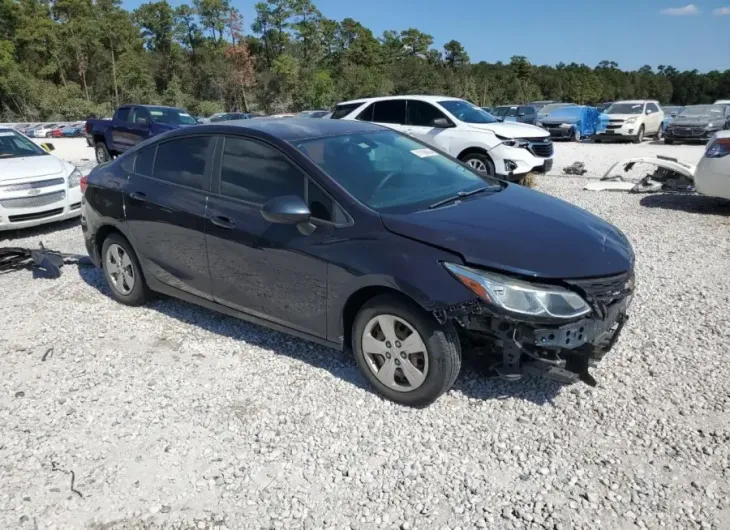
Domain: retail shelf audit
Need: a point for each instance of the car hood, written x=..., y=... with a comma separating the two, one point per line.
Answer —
x=622, y=116
x=521, y=231
x=31, y=166
x=511, y=129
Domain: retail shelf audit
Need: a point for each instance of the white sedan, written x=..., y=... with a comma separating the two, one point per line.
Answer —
x=35, y=186
x=712, y=176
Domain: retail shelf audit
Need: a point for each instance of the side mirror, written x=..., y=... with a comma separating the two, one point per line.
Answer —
x=286, y=210
x=48, y=147
x=521, y=114
x=442, y=123
x=648, y=111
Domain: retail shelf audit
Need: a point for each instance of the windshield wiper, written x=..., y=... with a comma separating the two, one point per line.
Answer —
x=463, y=194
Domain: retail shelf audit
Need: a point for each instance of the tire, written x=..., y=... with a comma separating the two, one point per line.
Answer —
x=668, y=141
x=480, y=160
x=659, y=135
x=576, y=135
x=639, y=136
x=102, y=153
x=438, y=365
x=136, y=291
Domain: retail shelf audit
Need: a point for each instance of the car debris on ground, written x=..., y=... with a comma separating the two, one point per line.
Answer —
x=44, y=262
x=669, y=175
x=576, y=168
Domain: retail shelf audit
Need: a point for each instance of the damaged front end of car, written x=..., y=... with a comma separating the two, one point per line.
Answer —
x=553, y=330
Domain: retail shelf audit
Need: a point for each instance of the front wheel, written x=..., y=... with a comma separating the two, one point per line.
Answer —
x=659, y=135
x=639, y=136
x=576, y=135
x=479, y=162
x=404, y=352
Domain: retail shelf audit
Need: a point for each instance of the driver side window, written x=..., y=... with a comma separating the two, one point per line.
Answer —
x=138, y=116
x=422, y=114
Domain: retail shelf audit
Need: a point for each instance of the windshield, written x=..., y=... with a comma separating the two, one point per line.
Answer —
x=15, y=145
x=547, y=109
x=671, y=110
x=625, y=108
x=466, y=112
x=566, y=113
x=171, y=116
x=701, y=111
x=500, y=111
x=391, y=173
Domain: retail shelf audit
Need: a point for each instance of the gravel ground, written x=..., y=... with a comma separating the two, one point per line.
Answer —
x=171, y=416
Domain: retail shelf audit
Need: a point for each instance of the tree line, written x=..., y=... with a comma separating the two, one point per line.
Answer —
x=67, y=59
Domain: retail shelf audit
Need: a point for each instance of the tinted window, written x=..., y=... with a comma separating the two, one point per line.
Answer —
x=182, y=161
x=526, y=111
x=123, y=113
x=343, y=110
x=652, y=107
x=390, y=111
x=139, y=116
x=321, y=206
x=422, y=114
x=255, y=172
x=145, y=160
x=367, y=114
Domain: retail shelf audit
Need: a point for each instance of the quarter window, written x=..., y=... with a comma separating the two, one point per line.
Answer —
x=390, y=111
x=182, y=161
x=144, y=161
x=254, y=172
x=321, y=206
x=367, y=114
x=343, y=110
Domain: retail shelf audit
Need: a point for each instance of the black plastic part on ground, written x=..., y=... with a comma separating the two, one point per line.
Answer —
x=44, y=262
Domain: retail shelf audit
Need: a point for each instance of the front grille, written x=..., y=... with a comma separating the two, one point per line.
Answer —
x=542, y=148
x=34, y=216
x=688, y=131
x=605, y=290
x=616, y=122
x=33, y=202
x=47, y=183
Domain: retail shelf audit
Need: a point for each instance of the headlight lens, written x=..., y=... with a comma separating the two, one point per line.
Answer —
x=523, y=298
x=631, y=120
x=513, y=142
x=539, y=124
x=74, y=178
x=713, y=125
x=566, y=125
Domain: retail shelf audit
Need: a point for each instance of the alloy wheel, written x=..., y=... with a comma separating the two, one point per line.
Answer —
x=479, y=166
x=395, y=353
x=120, y=270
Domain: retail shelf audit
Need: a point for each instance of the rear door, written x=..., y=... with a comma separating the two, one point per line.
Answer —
x=270, y=271
x=388, y=112
x=164, y=201
x=420, y=116
x=653, y=119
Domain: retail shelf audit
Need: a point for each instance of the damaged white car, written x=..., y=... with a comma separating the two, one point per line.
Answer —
x=710, y=177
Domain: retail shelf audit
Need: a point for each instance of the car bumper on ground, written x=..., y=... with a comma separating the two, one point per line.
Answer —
x=514, y=163
x=31, y=202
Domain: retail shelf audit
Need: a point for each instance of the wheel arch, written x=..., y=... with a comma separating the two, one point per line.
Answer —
x=102, y=233
x=474, y=150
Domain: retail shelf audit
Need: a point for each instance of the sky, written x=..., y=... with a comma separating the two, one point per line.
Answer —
x=631, y=32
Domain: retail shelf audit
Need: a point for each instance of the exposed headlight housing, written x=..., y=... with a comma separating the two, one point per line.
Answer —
x=519, y=297
x=718, y=148
x=74, y=179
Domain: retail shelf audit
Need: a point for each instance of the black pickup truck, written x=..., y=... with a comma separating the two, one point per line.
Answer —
x=132, y=124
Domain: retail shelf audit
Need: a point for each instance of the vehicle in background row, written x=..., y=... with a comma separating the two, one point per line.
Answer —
x=229, y=116
x=519, y=113
x=42, y=131
x=35, y=186
x=312, y=113
x=575, y=123
x=73, y=130
x=487, y=109
x=364, y=240
x=697, y=123
x=722, y=102
x=633, y=120
x=712, y=175
x=603, y=106
x=131, y=125
x=547, y=109
x=542, y=103
x=460, y=129
x=670, y=112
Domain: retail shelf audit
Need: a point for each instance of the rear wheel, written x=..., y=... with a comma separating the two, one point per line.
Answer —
x=102, y=153
x=404, y=352
x=122, y=271
x=480, y=163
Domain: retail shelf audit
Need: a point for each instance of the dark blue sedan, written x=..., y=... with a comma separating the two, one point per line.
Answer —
x=362, y=239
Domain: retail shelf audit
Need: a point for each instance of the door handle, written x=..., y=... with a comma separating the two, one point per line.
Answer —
x=223, y=222
x=138, y=196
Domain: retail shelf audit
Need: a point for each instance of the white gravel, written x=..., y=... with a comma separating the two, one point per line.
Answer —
x=171, y=416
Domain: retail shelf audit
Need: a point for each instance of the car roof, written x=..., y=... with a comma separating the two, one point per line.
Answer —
x=637, y=101
x=428, y=99
x=290, y=130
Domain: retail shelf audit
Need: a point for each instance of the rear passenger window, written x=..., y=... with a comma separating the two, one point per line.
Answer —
x=145, y=160
x=367, y=114
x=255, y=172
x=390, y=111
x=182, y=161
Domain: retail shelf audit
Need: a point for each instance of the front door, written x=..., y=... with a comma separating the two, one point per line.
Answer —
x=419, y=124
x=164, y=201
x=271, y=271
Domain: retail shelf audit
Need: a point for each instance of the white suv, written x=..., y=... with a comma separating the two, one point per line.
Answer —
x=633, y=120
x=508, y=150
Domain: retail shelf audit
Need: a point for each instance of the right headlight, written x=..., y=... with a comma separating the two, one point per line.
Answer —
x=520, y=297
x=631, y=120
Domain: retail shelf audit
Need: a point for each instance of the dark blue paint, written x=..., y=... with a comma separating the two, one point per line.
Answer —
x=274, y=275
